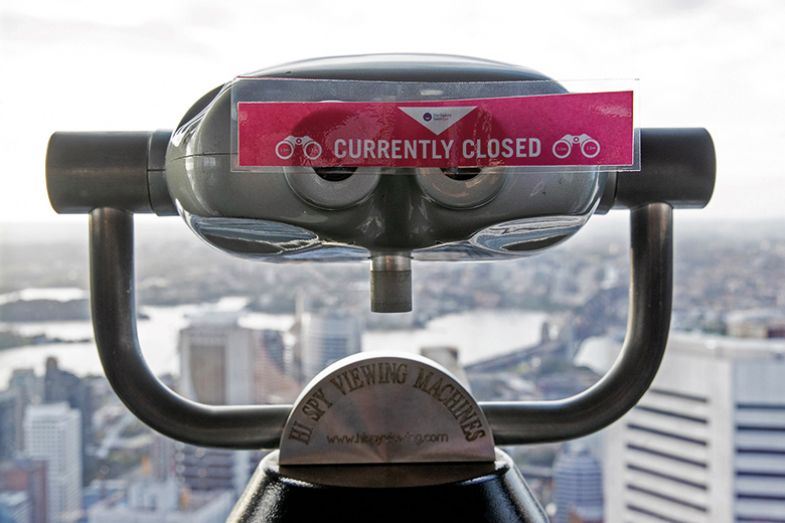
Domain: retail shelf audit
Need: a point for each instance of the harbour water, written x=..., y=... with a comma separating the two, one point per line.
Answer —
x=477, y=334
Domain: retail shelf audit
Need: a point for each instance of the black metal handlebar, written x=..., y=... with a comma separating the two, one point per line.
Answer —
x=113, y=304
x=85, y=171
x=651, y=284
x=114, y=321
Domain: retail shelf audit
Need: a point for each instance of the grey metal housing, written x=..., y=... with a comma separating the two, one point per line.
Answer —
x=247, y=212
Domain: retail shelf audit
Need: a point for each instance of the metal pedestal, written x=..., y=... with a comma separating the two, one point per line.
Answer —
x=492, y=492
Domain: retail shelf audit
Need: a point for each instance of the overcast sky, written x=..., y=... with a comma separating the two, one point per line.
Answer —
x=102, y=65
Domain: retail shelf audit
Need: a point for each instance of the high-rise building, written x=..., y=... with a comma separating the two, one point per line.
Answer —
x=449, y=358
x=29, y=476
x=324, y=338
x=27, y=384
x=10, y=418
x=707, y=441
x=62, y=386
x=577, y=479
x=28, y=388
x=162, y=457
x=53, y=435
x=222, y=363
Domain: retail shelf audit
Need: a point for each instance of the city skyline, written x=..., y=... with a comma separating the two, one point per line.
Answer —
x=540, y=371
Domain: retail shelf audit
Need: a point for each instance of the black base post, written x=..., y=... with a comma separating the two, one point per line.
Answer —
x=492, y=492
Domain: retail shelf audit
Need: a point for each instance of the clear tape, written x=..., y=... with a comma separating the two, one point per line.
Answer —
x=283, y=90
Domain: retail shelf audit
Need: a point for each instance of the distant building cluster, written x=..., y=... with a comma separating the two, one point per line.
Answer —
x=223, y=363
x=757, y=323
x=69, y=452
x=705, y=444
x=151, y=501
x=45, y=445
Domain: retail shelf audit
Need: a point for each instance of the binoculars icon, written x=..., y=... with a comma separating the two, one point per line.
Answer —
x=590, y=147
x=285, y=148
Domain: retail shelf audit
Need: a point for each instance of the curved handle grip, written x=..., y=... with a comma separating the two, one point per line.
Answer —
x=113, y=304
x=114, y=322
x=648, y=322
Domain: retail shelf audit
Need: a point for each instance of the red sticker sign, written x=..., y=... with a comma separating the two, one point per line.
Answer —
x=585, y=129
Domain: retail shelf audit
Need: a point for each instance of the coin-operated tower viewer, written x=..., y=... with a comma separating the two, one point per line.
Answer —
x=386, y=158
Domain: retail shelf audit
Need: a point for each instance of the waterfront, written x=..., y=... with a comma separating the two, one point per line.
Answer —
x=477, y=334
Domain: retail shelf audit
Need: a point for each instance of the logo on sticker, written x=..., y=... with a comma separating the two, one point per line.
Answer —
x=438, y=119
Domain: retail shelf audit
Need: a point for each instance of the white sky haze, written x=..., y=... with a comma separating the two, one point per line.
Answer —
x=98, y=65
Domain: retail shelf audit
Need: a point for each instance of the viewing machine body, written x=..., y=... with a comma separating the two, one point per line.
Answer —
x=386, y=158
